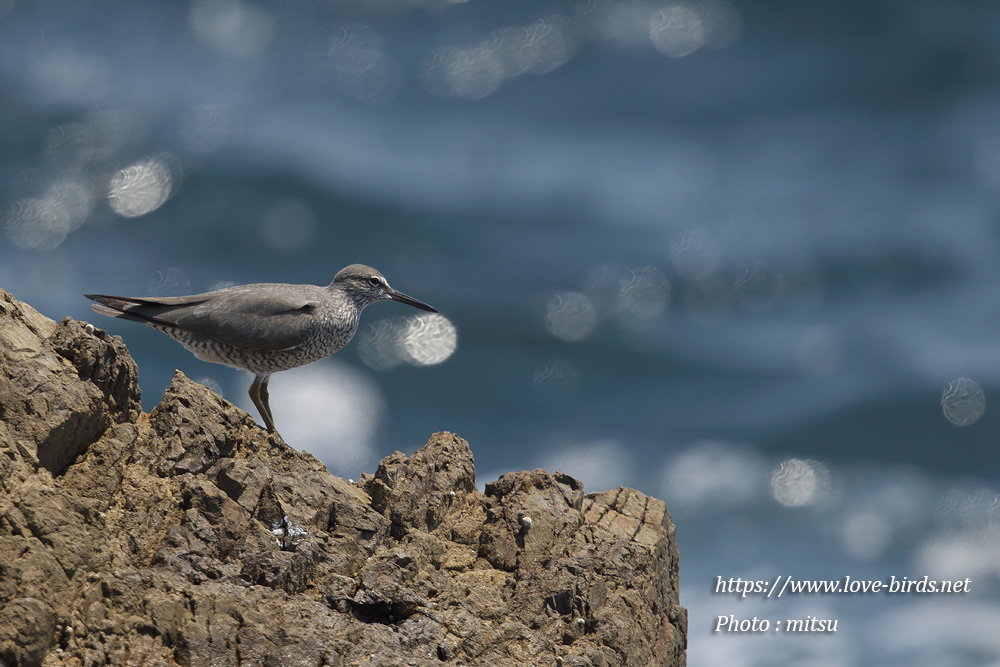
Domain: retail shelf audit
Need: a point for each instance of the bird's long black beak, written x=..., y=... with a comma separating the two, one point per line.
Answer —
x=409, y=300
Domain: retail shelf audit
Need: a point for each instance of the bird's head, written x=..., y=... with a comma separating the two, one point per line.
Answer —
x=366, y=285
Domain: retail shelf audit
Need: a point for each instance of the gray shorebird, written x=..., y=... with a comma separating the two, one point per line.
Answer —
x=265, y=327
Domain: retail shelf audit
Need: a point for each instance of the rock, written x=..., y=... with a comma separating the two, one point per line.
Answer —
x=190, y=536
x=60, y=385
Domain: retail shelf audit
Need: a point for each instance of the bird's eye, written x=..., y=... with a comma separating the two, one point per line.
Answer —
x=374, y=282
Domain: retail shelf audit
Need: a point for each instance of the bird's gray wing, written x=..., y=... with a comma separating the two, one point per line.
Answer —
x=243, y=317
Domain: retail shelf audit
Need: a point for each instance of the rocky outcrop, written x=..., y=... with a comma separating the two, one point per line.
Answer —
x=190, y=536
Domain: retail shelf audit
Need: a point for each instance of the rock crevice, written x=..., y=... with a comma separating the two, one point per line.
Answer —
x=189, y=536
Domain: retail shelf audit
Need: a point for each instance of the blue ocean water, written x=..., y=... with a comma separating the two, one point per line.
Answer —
x=741, y=256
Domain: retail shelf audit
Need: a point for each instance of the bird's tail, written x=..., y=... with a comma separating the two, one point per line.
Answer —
x=148, y=310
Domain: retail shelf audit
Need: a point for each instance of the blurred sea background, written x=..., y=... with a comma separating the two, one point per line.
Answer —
x=742, y=256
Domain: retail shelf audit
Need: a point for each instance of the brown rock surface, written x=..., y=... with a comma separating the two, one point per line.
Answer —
x=190, y=537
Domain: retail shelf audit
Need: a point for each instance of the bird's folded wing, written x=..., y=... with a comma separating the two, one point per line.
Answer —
x=245, y=319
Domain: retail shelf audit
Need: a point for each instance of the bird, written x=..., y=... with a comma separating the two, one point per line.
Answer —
x=262, y=328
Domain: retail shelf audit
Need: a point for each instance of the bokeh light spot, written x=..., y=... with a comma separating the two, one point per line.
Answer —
x=695, y=255
x=964, y=510
x=961, y=554
x=140, y=188
x=43, y=223
x=171, y=281
x=721, y=23
x=330, y=409
x=361, y=68
x=556, y=381
x=477, y=69
x=644, y=293
x=95, y=139
x=600, y=465
x=536, y=48
x=378, y=344
x=969, y=536
x=800, y=482
x=232, y=27
x=626, y=24
x=422, y=340
x=570, y=316
x=428, y=339
x=761, y=287
x=715, y=474
x=676, y=30
x=963, y=402
x=471, y=72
